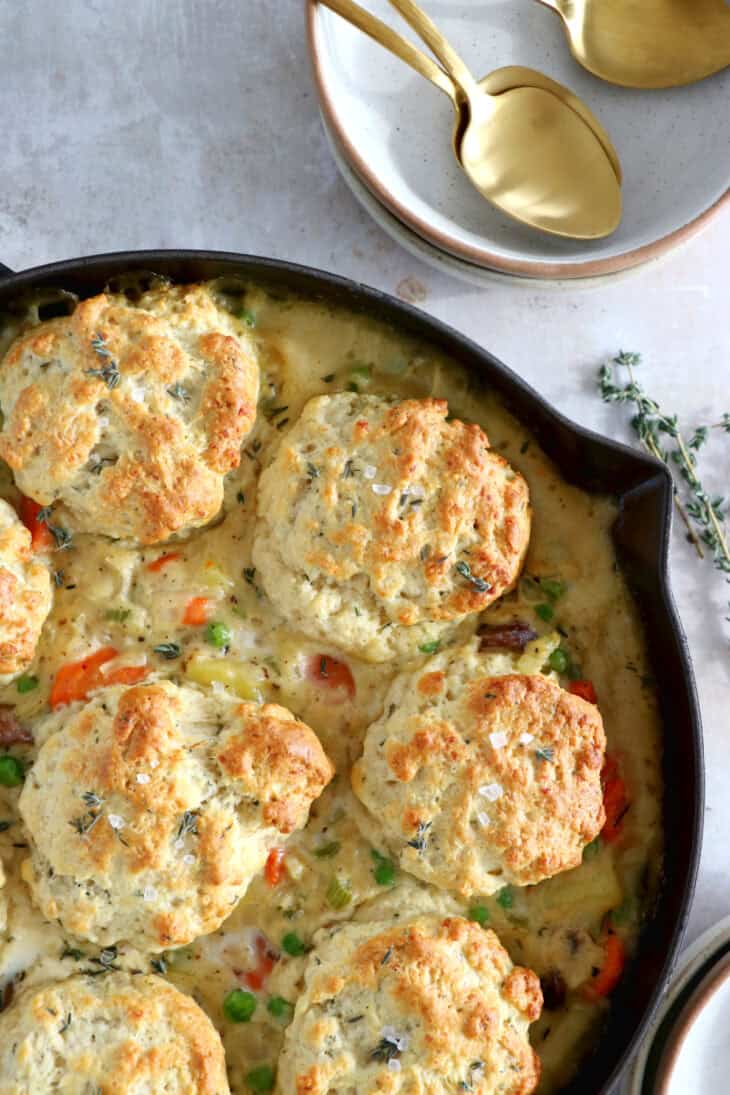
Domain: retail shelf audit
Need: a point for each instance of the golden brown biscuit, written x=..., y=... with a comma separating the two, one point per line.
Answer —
x=475, y=781
x=381, y=525
x=116, y=1034
x=432, y=1005
x=130, y=416
x=25, y=595
x=151, y=808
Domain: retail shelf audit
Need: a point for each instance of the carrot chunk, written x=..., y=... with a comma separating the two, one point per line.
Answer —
x=330, y=673
x=196, y=612
x=159, y=564
x=41, y=535
x=609, y=975
x=584, y=689
x=615, y=800
x=274, y=870
x=75, y=680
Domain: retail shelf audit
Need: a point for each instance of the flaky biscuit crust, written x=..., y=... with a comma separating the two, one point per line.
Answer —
x=425, y=1007
x=129, y=416
x=25, y=595
x=151, y=808
x=480, y=781
x=378, y=519
x=116, y=1034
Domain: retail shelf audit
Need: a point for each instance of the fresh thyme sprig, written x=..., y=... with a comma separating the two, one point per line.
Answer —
x=653, y=427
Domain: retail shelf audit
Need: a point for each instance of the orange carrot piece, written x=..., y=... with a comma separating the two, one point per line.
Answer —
x=330, y=673
x=584, y=689
x=41, y=535
x=609, y=975
x=196, y=612
x=75, y=680
x=274, y=870
x=256, y=978
x=159, y=564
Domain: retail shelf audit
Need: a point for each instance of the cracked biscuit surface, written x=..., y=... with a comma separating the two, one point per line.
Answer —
x=150, y=809
x=129, y=416
x=422, y=1007
x=381, y=525
x=475, y=781
x=116, y=1034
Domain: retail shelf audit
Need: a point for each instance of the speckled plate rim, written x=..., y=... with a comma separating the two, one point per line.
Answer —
x=482, y=256
x=694, y=971
x=470, y=273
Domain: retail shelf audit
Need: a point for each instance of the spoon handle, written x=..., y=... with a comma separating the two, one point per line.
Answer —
x=429, y=33
x=388, y=38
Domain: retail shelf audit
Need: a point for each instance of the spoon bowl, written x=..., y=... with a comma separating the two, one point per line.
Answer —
x=531, y=148
x=652, y=44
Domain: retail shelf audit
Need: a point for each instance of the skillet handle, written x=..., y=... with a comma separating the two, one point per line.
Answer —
x=5, y=271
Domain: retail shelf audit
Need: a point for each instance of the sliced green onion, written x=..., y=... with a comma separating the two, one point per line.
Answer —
x=545, y=612
x=553, y=588
x=430, y=648
x=479, y=914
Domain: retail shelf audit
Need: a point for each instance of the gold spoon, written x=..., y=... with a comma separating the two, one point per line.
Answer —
x=530, y=153
x=654, y=43
x=495, y=83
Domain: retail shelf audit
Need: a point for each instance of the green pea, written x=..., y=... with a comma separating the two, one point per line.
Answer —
x=506, y=897
x=26, y=684
x=12, y=771
x=384, y=871
x=326, y=851
x=239, y=1006
x=217, y=634
x=545, y=612
x=279, y=1007
x=591, y=850
x=559, y=661
x=479, y=913
x=553, y=588
x=248, y=318
x=261, y=1078
x=430, y=648
x=293, y=945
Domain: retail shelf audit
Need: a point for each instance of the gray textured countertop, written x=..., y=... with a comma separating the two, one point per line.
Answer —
x=165, y=123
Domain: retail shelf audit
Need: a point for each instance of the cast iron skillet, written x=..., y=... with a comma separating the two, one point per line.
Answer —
x=641, y=535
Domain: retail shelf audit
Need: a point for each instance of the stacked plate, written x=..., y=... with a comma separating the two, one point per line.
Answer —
x=390, y=133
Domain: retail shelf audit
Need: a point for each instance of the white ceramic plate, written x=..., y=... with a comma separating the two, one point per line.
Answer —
x=444, y=261
x=687, y=1048
x=395, y=130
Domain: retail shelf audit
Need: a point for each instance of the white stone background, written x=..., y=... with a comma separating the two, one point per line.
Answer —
x=193, y=123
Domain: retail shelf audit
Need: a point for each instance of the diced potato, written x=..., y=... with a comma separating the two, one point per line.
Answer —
x=215, y=578
x=581, y=897
x=238, y=676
